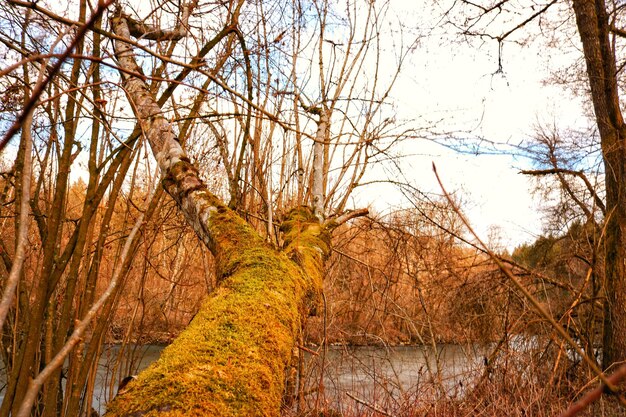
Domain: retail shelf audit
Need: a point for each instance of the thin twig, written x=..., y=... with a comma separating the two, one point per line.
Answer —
x=368, y=405
x=306, y=349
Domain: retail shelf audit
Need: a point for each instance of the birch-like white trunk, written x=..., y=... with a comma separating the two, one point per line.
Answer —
x=186, y=187
x=317, y=186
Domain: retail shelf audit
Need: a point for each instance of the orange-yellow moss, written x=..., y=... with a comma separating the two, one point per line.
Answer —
x=307, y=243
x=230, y=360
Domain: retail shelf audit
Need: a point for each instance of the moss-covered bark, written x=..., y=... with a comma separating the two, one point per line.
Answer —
x=230, y=361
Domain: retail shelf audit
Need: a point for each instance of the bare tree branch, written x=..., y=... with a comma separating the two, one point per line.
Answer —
x=82, y=31
x=579, y=174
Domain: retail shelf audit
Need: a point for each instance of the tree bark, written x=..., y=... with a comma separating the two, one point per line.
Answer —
x=317, y=181
x=230, y=361
x=593, y=27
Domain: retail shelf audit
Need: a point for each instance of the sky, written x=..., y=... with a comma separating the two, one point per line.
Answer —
x=462, y=87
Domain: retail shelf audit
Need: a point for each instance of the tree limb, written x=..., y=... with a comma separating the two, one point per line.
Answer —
x=579, y=174
x=144, y=30
x=231, y=358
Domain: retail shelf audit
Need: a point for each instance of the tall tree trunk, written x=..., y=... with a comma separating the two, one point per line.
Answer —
x=593, y=27
x=231, y=359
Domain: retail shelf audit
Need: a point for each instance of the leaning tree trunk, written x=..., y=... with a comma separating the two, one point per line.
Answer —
x=230, y=361
x=593, y=26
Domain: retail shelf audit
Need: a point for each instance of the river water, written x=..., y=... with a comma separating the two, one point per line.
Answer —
x=355, y=373
x=392, y=374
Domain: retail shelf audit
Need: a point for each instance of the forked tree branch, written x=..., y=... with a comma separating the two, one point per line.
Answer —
x=144, y=30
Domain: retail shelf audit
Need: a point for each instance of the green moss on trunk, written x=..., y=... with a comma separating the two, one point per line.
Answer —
x=308, y=244
x=230, y=361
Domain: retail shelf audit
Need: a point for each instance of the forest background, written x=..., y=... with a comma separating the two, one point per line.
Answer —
x=285, y=104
